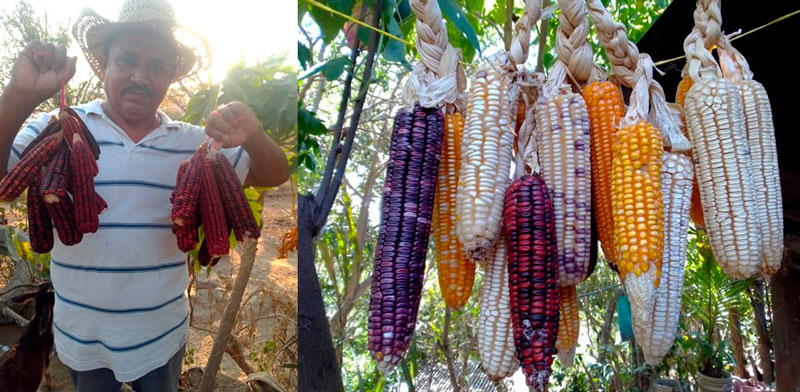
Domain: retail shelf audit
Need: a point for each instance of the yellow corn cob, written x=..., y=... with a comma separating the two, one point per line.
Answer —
x=486, y=149
x=696, y=209
x=606, y=108
x=569, y=324
x=715, y=120
x=638, y=214
x=764, y=169
x=456, y=272
x=657, y=335
x=495, y=333
x=562, y=142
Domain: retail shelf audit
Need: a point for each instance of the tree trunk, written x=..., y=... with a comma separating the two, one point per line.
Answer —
x=317, y=367
x=740, y=367
x=764, y=343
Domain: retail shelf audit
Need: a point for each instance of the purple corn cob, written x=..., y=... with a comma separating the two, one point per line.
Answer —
x=529, y=227
x=406, y=213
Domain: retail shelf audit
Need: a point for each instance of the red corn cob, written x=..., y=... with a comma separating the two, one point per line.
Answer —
x=86, y=133
x=64, y=221
x=187, y=188
x=234, y=201
x=529, y=226
x=23, y=173
x=100, y=205
x=212, y=215
x=83, y=193
x=56, y=178
x=39, y=225
x=406, y=213
x=203, y=257
x=52, y=127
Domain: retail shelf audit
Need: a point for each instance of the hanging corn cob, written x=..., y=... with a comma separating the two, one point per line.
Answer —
x=406, y=213
x=715, y=119
x=529, y=229
x=569, y=324
x=563, y=144
x=486, y=148
x=763, y=153
x=495, y=332
x=60, y=163
x=208, y=193
x=456, y=271
x=436, y=81
x=606, y=108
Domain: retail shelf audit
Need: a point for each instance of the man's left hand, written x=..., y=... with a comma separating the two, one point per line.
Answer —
x=232, y=124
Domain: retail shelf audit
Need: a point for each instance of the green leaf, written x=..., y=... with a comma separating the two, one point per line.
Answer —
x=303, y=55
x=7, y=244
x=250, y=193
x=394, y=49
x=452, y=11
x=332, y=68
x=328, y=23
x=201, y=105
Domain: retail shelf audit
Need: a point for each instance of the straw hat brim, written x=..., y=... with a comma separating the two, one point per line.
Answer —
x=92, y=30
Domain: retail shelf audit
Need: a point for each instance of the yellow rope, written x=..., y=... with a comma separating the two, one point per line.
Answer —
x=358, y=22
x=662, y=62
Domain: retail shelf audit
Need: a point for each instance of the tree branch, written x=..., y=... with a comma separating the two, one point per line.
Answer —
x=544, y=26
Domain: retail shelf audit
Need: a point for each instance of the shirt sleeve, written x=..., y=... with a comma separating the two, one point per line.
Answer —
x=25, y=136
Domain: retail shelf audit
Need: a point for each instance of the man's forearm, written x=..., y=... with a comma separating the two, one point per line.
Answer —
x=268, y=166
x=13, y=113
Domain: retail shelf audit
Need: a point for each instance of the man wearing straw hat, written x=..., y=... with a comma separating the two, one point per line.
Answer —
x=121, y=310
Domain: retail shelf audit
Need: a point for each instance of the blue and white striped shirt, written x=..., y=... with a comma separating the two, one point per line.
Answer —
x=121, y=293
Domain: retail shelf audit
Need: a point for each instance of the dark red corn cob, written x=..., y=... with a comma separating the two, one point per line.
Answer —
x=212, y=215
x=529, y=227
x=100, y=205
x=187, y=187
x=56, y=178
x=203, y=257
x=64, y=221
x=86, y=133
x=40, y=227
x=82, y=189
x=15, y=182
x=52, y=127
x=234, y=201
x=406, y=212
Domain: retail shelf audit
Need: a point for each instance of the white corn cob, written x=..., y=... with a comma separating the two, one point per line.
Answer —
x=715, y=119
x=764, y=169
x=562, y=140
x=657, y=336
x=486, y=149
x=495, y=333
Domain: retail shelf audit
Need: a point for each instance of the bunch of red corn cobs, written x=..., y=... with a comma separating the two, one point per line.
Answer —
x=208, y=194
x=58, y=167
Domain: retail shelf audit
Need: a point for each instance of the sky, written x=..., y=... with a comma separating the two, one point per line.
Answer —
x=235, y=29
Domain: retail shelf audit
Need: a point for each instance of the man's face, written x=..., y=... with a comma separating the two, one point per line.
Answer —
x=138, y=72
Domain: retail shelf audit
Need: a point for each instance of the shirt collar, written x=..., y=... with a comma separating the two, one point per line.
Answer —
x=95, y=108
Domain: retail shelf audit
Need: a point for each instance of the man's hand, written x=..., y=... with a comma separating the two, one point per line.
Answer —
x=37, y=73
x=232, y=124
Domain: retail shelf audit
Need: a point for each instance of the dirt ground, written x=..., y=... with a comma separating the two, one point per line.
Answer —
x=267, y=321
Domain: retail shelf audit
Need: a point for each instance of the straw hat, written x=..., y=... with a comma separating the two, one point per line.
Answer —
x=92, y=30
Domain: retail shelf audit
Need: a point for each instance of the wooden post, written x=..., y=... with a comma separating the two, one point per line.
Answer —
x=248, y=258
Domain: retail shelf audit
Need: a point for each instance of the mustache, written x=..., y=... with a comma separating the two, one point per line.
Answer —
x=138, y=88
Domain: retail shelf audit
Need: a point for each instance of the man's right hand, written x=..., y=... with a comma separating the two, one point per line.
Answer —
x=37, y=73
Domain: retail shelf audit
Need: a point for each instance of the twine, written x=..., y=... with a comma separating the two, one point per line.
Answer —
x=439, y=77
x=521, y=42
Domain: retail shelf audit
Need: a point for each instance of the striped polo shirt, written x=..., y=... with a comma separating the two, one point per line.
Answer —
x=121, y=298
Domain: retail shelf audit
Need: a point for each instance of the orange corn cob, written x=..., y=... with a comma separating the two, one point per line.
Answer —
x=569, y=324
x=606, y=107
x=638, y=214
x=456, y=271
x=696, y=209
